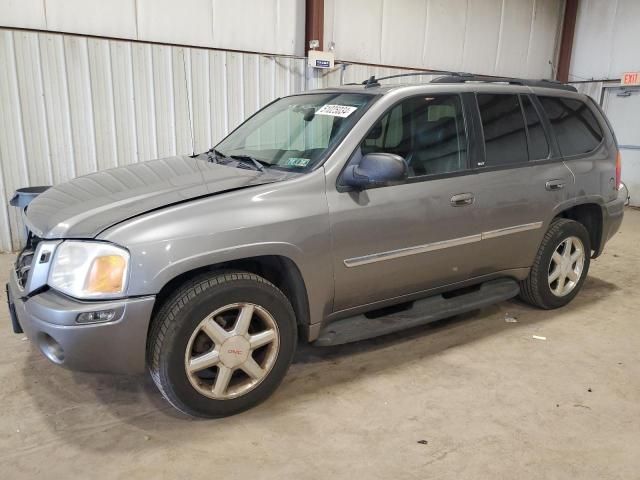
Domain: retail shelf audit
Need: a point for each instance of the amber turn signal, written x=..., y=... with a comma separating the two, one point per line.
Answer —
x=106, y=274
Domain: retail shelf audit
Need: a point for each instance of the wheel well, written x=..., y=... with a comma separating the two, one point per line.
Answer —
x=589, y=215
x=281, y=271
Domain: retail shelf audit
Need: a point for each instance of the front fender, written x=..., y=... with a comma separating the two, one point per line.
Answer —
x=237, y=252
x=288, y=220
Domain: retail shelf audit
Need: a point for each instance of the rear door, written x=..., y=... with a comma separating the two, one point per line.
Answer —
x=520, y=181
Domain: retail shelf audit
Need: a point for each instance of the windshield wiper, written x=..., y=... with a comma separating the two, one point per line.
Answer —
x=250, y=161
x=214, y=155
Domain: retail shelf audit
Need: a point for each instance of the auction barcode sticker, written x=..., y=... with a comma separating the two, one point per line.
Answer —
x=336, y=110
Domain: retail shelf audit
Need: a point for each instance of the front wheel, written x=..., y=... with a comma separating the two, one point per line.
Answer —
x=222, y=344
x=560, y=266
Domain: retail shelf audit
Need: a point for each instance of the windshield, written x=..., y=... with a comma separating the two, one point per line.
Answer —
x=296, y=132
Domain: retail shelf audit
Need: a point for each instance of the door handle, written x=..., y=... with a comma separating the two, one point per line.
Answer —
x=554, y=185
x=462, y=199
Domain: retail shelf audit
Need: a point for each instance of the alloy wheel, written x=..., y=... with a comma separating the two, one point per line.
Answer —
x=566, y=265
x=232, y=350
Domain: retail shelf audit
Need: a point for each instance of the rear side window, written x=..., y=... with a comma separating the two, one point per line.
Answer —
x=574, y=124
x=505, y=136
x=538, y=145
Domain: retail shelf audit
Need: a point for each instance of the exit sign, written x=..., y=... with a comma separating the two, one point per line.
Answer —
x=631, y=78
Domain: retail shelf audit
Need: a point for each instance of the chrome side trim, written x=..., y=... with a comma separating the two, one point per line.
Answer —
x=430, y=247
x=404, y=252
x=509, y=230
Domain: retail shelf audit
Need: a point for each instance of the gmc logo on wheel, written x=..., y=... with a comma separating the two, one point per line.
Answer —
x=235, y=352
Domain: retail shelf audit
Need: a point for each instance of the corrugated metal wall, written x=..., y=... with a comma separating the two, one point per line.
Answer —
x=72, y=105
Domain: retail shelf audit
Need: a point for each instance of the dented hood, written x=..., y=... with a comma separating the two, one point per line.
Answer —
x=85, y=206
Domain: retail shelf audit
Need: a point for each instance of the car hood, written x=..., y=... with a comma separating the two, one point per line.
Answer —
x=85, y=206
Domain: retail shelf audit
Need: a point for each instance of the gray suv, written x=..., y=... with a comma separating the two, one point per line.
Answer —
x=328, y=217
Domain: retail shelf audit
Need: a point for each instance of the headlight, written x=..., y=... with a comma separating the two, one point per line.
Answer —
x=89, y=269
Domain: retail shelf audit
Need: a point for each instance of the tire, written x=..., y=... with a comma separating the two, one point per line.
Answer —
x=537, y=289
x=185, y=329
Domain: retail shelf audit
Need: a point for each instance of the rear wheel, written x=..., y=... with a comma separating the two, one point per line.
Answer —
x=222, y=344
x=560, y=266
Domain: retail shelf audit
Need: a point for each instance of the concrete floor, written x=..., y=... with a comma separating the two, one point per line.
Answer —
x=489, y=399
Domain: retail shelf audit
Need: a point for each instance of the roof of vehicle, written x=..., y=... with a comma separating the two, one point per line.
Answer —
x=459, y=82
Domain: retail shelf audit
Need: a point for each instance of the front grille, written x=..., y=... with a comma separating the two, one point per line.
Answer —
x=25, y=259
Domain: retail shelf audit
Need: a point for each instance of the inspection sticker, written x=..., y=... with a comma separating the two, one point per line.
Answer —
x=336, y=110
x=297, y=162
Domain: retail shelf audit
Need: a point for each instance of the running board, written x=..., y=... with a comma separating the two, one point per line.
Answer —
x=423, y=311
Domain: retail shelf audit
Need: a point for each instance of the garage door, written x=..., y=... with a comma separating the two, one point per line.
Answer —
x=622, y=106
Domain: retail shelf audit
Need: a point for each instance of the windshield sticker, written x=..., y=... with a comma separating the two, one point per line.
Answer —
x=297, y=162
x=336, y=110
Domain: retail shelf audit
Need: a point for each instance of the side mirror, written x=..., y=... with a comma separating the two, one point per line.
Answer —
x=376, y=170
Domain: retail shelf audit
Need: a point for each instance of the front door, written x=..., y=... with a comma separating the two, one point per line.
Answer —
x=397, y=240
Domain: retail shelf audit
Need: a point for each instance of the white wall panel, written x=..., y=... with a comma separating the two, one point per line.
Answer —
x=102, y=99
x=502, y=37
x=181, y=99
x=357, y=29
x=144, y=100
x=251, y=84
x=187, y=22
x=218, y=81
x=76, y=55
x=201, y=99
x=259, y=25
x=606, y=39
x=482, y=35
x=123, y=105
x=515, y=36
x=444, y=40
x=267, y=87
x=108, y=18
x=71, y=105
x=164, y=102
x=13, y=160
x=235, y=99
x=625, y=51
x=23, y=14
x=401, y=49
x=34, y=122
x=56, y=101
x=273, y=26
x=543, y=40
x=592, y=41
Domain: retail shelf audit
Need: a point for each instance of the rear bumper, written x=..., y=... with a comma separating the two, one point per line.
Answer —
x=49, y=321
x=612, y=214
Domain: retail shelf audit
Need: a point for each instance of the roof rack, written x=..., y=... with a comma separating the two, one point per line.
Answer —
x=462, y=77
x=372, y=81
x=467, y=77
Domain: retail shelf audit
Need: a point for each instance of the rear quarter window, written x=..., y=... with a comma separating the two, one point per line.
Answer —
x=505, y=135
x=574, y=124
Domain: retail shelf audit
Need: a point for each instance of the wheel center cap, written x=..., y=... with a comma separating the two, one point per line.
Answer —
x=234, y=351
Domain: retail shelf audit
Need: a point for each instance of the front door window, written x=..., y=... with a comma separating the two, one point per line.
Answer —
x=427, y=131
